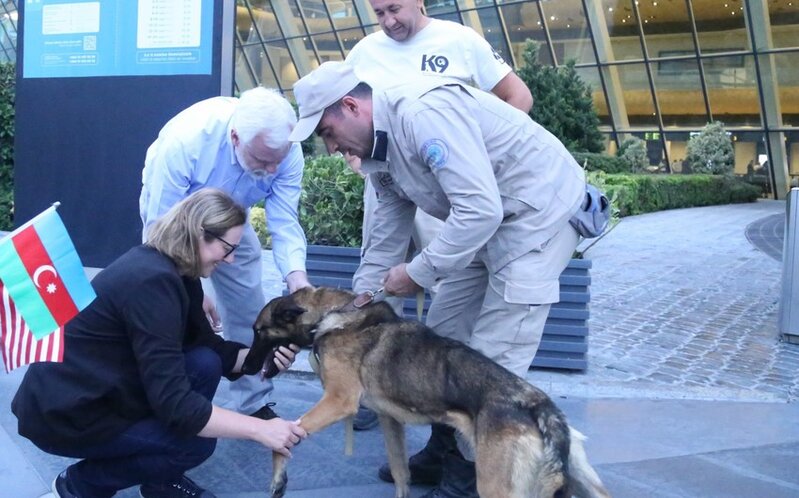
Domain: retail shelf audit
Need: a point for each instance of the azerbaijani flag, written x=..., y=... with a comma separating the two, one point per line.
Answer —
x=43, y=274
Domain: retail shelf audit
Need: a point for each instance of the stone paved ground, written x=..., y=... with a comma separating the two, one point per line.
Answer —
x=767, y=234
x=682, y=300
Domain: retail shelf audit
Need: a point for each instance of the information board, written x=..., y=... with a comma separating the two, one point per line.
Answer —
x=81, y=38
x=82, y=129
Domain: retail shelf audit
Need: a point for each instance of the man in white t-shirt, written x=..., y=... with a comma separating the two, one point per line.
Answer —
x=412, y=46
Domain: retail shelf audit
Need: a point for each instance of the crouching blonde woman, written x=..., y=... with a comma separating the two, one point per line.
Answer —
x=133, y=397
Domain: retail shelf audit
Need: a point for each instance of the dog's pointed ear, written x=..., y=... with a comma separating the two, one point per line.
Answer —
x=287, y=312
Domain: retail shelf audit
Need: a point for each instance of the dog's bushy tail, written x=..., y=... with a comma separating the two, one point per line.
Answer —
x=556, y=440
x=582, y=478
x=564, y=454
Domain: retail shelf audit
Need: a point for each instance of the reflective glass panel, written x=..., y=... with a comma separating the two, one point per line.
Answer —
x=786, y=68
x=278, y=54
x=344, y=14
x=721, y=25
x=8, y=33
x=450, y=16
x=259, y=18
x=625, y=37
x=568, y=29
x=471, y=4
x=679, y=92
x=243, y=76
x=677, y=149
x=655, y=149
x=302, y=52
x=784, y=16
x=363, y=11
x=667, y=28
x=259, y=63
x=792, y=149
x=289, y=18
x=316, y=18
x=637, y=95
x=486, y=23
x=732, y=90
x=590, y=75
x=327, y=46
x=437, y=7
x=522, y=22
x=751, y=158
x=350, y=37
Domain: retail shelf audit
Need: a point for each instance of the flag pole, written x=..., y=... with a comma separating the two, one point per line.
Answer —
x=31, y=221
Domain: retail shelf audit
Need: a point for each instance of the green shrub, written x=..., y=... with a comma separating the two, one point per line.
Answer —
x=258, y=222
x=7, y=96
x=637, y=194
x=633, y=152
x=601, y=162
x=562, y=101
x=711, y=152
x=331, y=204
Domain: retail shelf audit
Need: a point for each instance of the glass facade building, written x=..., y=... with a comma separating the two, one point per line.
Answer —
x=658, y=69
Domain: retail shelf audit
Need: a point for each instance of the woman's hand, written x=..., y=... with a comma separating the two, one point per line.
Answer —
x=282, y=435
x=284, y=357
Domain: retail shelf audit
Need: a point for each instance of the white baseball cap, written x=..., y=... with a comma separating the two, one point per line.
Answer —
x=318, y=90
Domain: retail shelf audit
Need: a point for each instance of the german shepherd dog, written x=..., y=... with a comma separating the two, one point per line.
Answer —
x=407, y=374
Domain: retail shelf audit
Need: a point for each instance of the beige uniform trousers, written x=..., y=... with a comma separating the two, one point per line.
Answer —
x=502, y=315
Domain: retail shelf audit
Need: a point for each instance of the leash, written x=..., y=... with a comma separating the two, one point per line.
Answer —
x=419, y=304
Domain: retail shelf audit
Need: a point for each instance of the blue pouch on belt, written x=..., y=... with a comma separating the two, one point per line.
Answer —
x=593, y=216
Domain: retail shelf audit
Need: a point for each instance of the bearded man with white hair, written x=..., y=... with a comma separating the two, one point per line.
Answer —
x=240, y=146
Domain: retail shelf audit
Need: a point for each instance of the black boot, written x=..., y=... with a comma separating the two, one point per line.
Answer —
x=458, y=478
x=425, y=466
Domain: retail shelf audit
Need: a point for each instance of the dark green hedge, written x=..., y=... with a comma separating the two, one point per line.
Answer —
x=331, y=206
x=7, y=93
x=637, y=194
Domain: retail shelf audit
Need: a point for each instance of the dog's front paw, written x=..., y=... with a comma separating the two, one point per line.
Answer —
x=279, y=485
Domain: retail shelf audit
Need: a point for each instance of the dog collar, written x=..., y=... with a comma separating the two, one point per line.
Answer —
x=365, y=298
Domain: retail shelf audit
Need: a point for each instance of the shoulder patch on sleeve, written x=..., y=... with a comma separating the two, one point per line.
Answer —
x=435, y=153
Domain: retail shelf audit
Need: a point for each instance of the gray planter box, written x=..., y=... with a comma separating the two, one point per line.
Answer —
x=565, y=341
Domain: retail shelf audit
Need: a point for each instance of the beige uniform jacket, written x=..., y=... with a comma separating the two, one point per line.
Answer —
x=462, y=155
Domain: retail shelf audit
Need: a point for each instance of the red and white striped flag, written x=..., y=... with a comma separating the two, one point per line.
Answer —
x=19, y=346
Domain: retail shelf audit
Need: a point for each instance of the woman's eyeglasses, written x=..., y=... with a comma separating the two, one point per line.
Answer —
x=231, y=247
